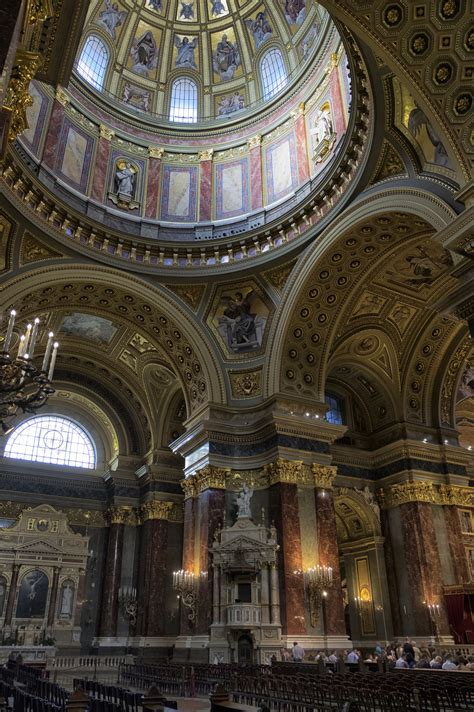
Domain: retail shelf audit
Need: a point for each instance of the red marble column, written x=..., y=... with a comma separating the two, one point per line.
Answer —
x=301, y=147
x=98, y=189
x=456, y=546
x=210, y=509
x=53, y=598
x=51, y=144
x=337, y=103
x=205, y=187
x=189, y=557
x=423, y=565
x=153, y=184
x=393, y=581
x=284, y=512
x=154, y=541
x=113, y=567
x=12, y=594
x=328, y=549
x=256, y=175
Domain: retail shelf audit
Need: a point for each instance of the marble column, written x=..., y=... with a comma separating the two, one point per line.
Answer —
x=301, y=146
x=12, y=594
x=328, y=547
x=265, y=594
x=98, y=190
x=53, y=600
x=256, y=175
x=153, y=570
x=210, y=508
x=51, y=144
x=423, y=566
x=153, y=182
x=205, y=188
x=112, y=573
x=456, y=545
x=275, y=616
x=337, y=103
x=393, y=589
x=284, y=512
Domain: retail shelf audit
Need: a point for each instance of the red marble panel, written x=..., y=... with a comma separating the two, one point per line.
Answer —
x=256, y=184
x=205, y=191
x=210, y=510
x=51, y=145
x=301, y=150
x=393, y=581
x=328, y=549
x=456, y=546
x=153, y=188
x=188, y=535
x=156, y=534
x=337, y=103
x=100, y=170
x=423, y=565
x=284, y=511
x=111, y=583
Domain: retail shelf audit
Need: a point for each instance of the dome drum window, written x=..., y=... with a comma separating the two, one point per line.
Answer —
x=93, y=61
x=184, y=101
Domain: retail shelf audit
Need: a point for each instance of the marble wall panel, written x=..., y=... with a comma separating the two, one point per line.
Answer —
x=337, y=106
x=111, y=581
x=153, y=187
x=205, y=191
x=210, y=510
x=74, y=156
x=456, y=545
x=51, y=146
x=179, y=193
x=231, y=188
x=36, y=118
x=98, y=191
x=281, y=168
x=256, y=177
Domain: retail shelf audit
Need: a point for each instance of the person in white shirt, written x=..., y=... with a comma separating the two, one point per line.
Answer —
x=353, y=657
x=449, y=664
x=297, y=653
x=401, y=662
x=333, y=657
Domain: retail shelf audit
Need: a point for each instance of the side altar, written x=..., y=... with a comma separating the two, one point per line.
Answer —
x=246, y=624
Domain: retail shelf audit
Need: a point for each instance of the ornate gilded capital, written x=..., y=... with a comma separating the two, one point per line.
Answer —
x=287, y=471
x=156, y=510
x=121, y=515
x=446, y=495
x=155, y=152
x=206, y=155
x=39, y=11
x=105, y=132
x=324, y=475
x=255, y=141
x=456, y=496
x=61, y=96
x=209, y=477
x=17, y=98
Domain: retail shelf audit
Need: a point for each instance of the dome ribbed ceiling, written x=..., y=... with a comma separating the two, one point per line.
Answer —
x=218, y=43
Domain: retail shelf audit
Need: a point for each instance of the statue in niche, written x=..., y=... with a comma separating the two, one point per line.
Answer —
x=187, y=10
x=217, y=7
x=32, y=596
x=260, y=28
x=323, y=126
x=67, y=595
x=144, y=53
x=185, y=57
x=226, y=58
x=239, y=320
x=124, y=185
x=243, y=502
x=112, y=17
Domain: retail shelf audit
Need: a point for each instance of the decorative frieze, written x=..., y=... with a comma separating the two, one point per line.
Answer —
x=168, y=511
x=287, y=471
x=208, y=477
x=324, y=475
x=121, y=515
x=448, y=495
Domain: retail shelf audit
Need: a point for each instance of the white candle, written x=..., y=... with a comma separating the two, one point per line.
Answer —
x=21, y=346
x=34, y=335
x=11, y=324
x=53, y=361
x=49, y=346
x=27, y=337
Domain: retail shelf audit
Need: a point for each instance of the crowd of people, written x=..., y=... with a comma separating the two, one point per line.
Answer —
x=399, y=654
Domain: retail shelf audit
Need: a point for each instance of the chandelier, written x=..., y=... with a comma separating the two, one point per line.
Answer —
x=24, y=386
x=316, y=582
x=186, y=584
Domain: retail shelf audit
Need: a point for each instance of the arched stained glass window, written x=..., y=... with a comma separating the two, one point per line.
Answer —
x=184, y=101
x=273, y=73
x=52, y=439
x=335, y=413
x=93, y=61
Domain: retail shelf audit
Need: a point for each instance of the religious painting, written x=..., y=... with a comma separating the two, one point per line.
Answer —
x=3, y=593
x=226, y=59
x=239, y=317
x=186, y=11
x=111, y=17
x=226, y=104
x=420, y=266
x=259, y=27
x=156, y=5
x=184, y=54
x=33, y=595
x=217, y=8
x=144, y=52
x=418, y=129
x=66, y=600
x=295, y=12
x=88, y=326
x=136, y=97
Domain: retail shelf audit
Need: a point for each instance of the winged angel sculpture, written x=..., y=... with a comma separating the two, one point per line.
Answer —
x=238, y=323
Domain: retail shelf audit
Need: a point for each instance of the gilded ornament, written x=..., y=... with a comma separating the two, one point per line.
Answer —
x=39, y=11
x=206, y=155
x=189, y=293
x=255, y=141
x=246, y=384
x=156, y=510
x=155, y=152
x=34, y=251
x=287, y=471
x=208, y=477
x=324, y=475
x=106, y=132
x=17, y=98
x=61, y=96
x=121, y=515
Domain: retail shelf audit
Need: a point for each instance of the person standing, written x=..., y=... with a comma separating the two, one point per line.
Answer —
x=297, y=653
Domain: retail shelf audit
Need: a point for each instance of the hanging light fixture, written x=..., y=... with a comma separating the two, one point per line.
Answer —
x=24, y=386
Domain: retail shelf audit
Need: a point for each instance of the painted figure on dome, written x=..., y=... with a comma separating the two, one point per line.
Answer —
x=217, y=7
x=112, y=17
x=260, y=28
x=295, y=11
x=226, y=58
x=185, y=49
x=187, y=11
x=144, y=54
x=156, y=5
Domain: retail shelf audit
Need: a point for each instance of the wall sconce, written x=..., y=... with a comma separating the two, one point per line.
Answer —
x=186, y=584
x=316, y=580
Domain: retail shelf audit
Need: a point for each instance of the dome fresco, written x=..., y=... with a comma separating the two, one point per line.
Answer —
x=219, y=48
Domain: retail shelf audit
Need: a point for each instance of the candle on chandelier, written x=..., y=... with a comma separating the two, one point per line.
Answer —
x=53, y=361
x=47, y=353
x=21, y=346
x=34, y=336
x=8, y=337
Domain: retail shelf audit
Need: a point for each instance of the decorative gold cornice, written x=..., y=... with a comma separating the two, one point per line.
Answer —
x=206, y=155
x=287, y=471
x=209, y=477
x=168, y=511
x=61, y=96
x=78, y=517
x=121, y=515
x=17, y=97
x=324, y=475
x=155, y=152
x=106, y=132
x=447, y=495
x=255, y=141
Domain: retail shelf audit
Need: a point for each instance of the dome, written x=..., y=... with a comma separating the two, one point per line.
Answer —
x=191, y=61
